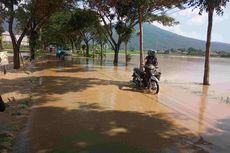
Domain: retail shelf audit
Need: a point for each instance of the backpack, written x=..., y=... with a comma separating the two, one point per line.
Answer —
x=2, y=105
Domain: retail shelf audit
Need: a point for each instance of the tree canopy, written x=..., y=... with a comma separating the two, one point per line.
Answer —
x=207, y=5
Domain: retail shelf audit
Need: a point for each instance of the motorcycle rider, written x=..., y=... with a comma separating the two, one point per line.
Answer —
x=151, y=59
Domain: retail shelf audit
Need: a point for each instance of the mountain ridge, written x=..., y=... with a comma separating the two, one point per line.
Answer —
x=157, y=38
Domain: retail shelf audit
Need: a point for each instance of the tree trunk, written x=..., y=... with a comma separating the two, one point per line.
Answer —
x=87, y=49
x=141, y=42
x=45, y=45
x=208, y=48
x=14, y=43
x=1, y=47
x=101, y=52
x=78, y=44
x=32, y=45
x=116, y=53
x=93, y=50
x=16, y=58
x=126, y=54
x=72, y=45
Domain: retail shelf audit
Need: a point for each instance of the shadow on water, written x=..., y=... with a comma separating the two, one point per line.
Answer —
x=63, y=84
x=86, y=64
x=91, y=128
x=220, y=139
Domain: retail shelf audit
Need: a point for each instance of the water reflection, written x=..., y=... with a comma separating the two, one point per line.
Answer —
x=202, y=109
x=115, y=68
x=87, y=61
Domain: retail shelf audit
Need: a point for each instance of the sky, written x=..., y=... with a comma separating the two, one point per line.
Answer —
x=195, y=26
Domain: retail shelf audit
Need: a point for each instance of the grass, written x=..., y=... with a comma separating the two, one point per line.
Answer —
x=6, y=142
x=10, y=47
x=9, y=127
x=7, y=139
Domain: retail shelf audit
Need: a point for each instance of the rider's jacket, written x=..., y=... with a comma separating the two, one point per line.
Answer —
x=151, y=60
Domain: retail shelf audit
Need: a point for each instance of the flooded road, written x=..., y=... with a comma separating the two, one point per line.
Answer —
x=184, y=69
x=92, y=108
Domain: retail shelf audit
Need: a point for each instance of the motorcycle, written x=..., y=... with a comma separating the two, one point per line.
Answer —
x=150, y=82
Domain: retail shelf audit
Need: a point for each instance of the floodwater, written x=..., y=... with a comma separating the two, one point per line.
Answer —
x=188, y=69
x=88, y=106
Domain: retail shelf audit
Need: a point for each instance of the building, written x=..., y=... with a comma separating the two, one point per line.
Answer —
x=6, y=39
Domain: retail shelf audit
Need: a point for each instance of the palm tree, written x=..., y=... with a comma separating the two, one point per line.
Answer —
x=209, y=6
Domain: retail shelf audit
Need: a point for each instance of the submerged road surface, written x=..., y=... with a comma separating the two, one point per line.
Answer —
x=90, y=108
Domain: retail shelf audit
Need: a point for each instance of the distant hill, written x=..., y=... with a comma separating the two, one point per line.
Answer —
x=156, y=38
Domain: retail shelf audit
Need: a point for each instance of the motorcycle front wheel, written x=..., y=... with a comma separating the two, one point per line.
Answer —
x=154, y=87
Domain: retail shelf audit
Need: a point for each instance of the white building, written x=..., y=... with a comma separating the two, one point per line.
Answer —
x=6, y=39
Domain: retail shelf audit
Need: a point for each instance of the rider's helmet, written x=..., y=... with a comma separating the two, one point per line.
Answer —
x=151, y=52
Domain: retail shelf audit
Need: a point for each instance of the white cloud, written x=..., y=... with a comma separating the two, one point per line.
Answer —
x=194, y=25
x=197, y=20
x=193, y=17
x=177, y=29
x=188, y=12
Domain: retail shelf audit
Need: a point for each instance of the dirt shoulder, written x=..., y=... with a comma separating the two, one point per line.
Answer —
x=16, y=91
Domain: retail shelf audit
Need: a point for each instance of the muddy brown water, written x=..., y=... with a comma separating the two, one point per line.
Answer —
x=85, y=105
x=188, y=69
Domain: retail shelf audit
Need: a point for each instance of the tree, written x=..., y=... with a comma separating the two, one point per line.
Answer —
x=100, y=38
x=9, y=9
x=141, y=11
x=55, y=31
x=115, y=22
x=126, y=40
x=61, y=30
x=31, y=15
x=118, y=15
x=86, y=23
x=39, y=12
x=209, y=6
